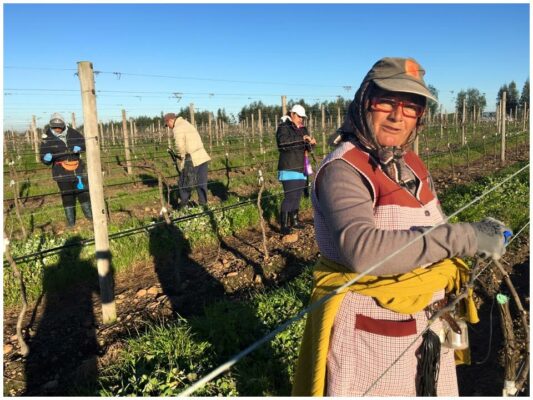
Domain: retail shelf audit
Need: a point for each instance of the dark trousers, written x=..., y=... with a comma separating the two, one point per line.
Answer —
x=69, y=193
x=200, y=182
x=293, y=191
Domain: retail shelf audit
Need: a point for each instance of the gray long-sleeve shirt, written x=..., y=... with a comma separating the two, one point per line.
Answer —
x=346, y=204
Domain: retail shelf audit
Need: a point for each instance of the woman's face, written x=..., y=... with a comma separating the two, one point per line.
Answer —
x=298, y=121
x=394, y=116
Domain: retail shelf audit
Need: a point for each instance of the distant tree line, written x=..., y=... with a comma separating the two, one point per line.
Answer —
x=513, y=99
x=475, y=100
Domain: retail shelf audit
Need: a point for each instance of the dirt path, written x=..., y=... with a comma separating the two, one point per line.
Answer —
x=69, y=342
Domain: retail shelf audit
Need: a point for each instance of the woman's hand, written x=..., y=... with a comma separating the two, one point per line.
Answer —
x=309, y=140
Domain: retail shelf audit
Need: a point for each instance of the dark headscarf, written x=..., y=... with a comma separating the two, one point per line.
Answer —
x=358, y=126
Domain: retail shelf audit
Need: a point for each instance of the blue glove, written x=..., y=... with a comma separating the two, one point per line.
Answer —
x=79, y=186
x=47, y=157
x=76, y=149
x=507, y=236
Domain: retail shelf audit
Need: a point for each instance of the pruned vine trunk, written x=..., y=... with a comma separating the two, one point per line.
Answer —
x=24, y=349
x=261, y=219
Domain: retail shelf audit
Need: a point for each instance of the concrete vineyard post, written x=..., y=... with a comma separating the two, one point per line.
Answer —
x=338, y=117
x=126, y=142
x=73, y=120
x=96, y=189
x=283, y=105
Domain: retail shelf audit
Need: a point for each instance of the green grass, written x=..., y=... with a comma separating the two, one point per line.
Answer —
x=169, y=357
x=509, y=203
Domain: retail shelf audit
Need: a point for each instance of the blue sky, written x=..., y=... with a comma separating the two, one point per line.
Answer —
x=227, y=55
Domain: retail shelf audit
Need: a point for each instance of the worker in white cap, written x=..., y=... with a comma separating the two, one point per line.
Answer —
x=293, y=142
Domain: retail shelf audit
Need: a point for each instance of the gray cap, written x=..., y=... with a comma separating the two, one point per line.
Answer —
x=57, y=121
x=399, y=75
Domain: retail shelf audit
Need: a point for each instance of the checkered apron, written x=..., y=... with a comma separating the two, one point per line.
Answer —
x=366, y=339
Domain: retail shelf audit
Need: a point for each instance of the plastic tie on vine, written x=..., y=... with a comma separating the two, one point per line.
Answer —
x=163, y=210
x=11, y=182
x=501, y=298
x=6, y=244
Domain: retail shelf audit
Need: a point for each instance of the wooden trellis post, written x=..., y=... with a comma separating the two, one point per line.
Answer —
x=133, y=132
x=102, y=140
x=524, y=117
x=323, y=129
x=217, y=132
x=463, y=124
x=260, y=126
x=503, y=118
x=169, y=138
x=474, y=115
x=113, y=139
x=35, y=138
x=283, y=105
x=209, y=131
x=253, y=128
x=126, y=135
x=497, y=116
x=191, y=114
x=96, y=190
x=338, y=117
